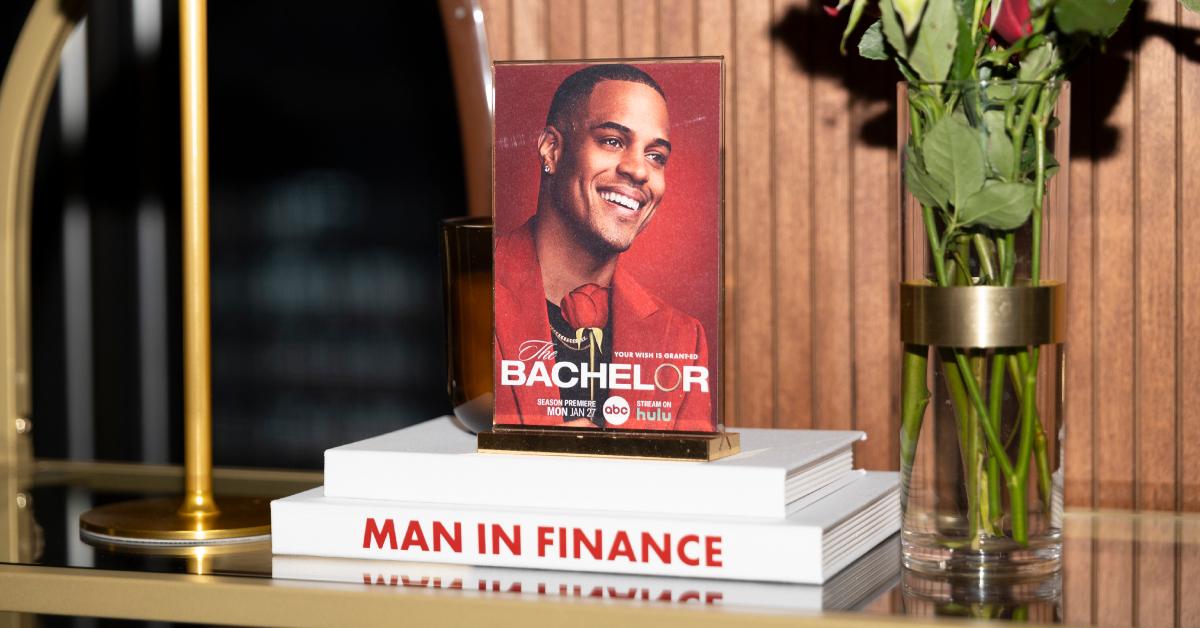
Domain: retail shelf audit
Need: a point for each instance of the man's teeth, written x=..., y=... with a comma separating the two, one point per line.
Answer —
x=621, y=200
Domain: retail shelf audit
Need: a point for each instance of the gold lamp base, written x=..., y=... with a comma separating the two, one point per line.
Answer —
x=158, y=522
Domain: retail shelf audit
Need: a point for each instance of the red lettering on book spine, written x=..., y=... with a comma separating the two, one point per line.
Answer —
x=379, y=535
x=440, y=533
x=414, y=536
x=593, y=548
x=513, y=543
x=683, y=543
x=544, y=538
x=622, y=548
x=712, y=551
x=663, y=551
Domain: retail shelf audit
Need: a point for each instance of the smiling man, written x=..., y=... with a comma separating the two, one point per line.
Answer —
x=579, y=342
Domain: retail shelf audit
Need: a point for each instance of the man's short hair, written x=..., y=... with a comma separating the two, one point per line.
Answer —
x=577, y=88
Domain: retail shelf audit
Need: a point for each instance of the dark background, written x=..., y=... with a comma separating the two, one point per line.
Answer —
x=334, y=154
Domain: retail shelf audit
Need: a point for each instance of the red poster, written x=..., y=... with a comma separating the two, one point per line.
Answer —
x=607, y=208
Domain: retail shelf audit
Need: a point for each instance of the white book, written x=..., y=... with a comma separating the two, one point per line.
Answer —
x=435, y=461
x=861, y=583
x=808, y=546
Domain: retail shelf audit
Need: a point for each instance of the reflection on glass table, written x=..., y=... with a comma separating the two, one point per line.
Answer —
x=1119, y=568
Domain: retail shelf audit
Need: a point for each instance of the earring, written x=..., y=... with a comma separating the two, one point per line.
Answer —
x=546, y=168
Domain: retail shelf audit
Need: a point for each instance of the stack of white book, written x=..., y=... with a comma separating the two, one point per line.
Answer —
x=788, y=508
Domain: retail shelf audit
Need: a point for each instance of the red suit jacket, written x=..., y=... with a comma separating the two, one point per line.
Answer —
x=641, y=323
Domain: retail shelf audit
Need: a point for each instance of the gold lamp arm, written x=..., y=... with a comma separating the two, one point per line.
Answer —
x=28, y=83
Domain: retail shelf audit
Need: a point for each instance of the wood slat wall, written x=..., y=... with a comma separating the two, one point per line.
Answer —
x=811, y=246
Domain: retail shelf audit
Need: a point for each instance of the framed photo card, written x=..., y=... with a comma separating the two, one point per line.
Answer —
x=607, y=249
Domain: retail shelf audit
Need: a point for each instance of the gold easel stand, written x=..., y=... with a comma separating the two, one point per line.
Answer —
x=198, y=520
x=693, y=446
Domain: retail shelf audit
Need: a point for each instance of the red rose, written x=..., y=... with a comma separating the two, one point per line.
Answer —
x=1014, y=20
x=586, y=306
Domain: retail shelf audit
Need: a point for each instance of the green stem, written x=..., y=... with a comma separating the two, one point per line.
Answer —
x=1018, y=137
x=1035, y=266
x=914, y=397
x=953, y=376
x=1045, y=482
x=985, y=257
x=992, y=438
x=995, y=399
x=974, y=462
x=935, y=245
x=1017, y=492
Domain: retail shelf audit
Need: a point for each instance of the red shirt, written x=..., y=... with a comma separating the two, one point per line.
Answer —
x=641, y=323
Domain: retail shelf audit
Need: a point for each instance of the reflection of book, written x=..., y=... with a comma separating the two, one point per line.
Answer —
x=855, y=587
x=436, y=462
x=810, y=545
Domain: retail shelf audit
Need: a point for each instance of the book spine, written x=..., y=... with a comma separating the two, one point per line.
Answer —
x=688, y=489
x=728, y=549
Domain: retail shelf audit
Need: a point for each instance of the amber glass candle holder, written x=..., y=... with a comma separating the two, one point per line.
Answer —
x=467, y=280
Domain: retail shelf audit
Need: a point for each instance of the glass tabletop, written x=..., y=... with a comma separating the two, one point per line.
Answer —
x=1119, y=568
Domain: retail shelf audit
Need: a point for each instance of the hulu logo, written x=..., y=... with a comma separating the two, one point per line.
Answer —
x=653, y=415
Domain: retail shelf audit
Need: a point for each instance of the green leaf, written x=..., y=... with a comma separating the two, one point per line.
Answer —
x=1036, y=62
x=892, y=29
x=871, y=46
x=1094, y=17
x=1001, y=92
x=855, y=15
x=998, y=205
x=910, y=13
x=999, y=145
x=1191, y=5
x=924, y=187
x=933, y=52
x=964, y=51
x=953, y=156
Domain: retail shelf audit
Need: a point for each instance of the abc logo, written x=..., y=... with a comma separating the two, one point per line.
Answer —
x=616, y=410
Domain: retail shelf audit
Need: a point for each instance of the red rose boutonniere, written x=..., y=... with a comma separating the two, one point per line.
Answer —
x=586, y=311
x=586, y=307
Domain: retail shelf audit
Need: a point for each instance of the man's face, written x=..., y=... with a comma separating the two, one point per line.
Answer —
x=610, y=177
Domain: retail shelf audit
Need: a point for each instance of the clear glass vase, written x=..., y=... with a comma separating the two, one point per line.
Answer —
x=983, y=184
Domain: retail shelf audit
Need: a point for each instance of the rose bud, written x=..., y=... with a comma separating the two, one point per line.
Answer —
x=1013, y=22
x=586, y=306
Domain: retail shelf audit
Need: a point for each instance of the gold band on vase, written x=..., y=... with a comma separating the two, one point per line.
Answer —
x=983, y=316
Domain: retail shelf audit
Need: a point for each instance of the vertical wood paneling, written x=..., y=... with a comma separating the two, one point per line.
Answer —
x=1155, y=288
x=677, y=28
x=1078, y=575
x=810, y=329
x=566, y=29
x=753, y=218
x=1114, y=573
x=831, y=235
x=602, y=28
x=1189, y=282
x=715, y=37
x=792, y=177
x=639, y=28
x=1080, y=393
x=1156, y=571
x=497, y=19
x=530, y=39
x=1114, y=263
x=876, y=342
x=1189, y=574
